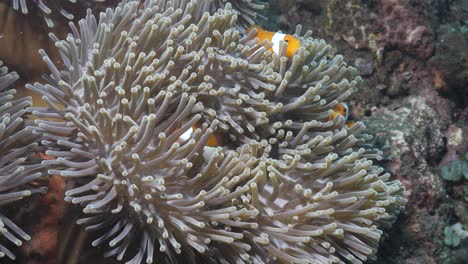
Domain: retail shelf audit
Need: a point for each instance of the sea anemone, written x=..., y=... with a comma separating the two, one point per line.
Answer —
x=320, y=196
x=17, y=167
x=289, y=184
x=24, y=34
x=122, y=146
x=248, y=11
x=44, y=8
x=49, y=8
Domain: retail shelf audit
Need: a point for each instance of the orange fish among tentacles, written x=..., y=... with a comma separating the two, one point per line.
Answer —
x=214, y=140
x=343, y=110
x=275, y=37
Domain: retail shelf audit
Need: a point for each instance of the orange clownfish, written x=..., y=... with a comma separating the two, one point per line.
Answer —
x=214, y=140
x=343, y=110
x=275, y=38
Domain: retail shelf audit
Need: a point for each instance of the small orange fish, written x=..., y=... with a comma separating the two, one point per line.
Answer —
x=214, y=140
x=275, y=37
x=343, y=110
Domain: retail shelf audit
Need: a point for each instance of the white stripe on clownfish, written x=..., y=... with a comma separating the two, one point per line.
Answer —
x=344, y=110
x=346, y=106
x=292, y=43
x=277, y=38
x=186, y=135
x=213, y=142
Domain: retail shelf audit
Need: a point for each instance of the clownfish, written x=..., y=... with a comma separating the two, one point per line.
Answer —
x=214, y=140
x=275, y=38
x=343, y=110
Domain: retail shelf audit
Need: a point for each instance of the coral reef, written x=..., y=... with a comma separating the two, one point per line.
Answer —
x=450, y=63
x=403, y=27
x=289, y=184
x=411, y=55
x=457, y=170
x=410, y=136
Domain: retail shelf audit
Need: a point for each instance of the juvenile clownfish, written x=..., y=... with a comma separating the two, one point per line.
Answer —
x=214, y=140
x=275, y=38
x=343, y=110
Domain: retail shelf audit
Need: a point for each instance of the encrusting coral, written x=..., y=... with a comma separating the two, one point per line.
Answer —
x=287, y=185
x=17, y=166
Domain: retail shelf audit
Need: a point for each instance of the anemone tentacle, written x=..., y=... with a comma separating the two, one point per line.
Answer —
x=289, y=184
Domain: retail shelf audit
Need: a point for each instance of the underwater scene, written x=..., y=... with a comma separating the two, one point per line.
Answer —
x=233, y=131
